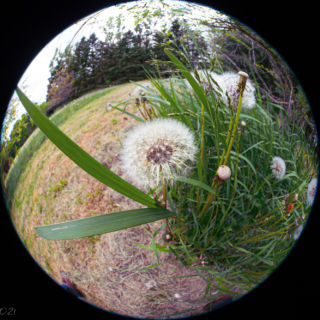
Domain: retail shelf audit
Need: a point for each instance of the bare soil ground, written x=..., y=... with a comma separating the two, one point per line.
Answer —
x=53, y=189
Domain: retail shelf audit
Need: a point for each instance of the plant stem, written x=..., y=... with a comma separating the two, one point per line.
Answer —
x=164, y=192
x=201, y=154
x=234, y=128
x=228, y=137
x=143, y=116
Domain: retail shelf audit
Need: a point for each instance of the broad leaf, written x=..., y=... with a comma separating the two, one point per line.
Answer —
x=103, y=223
x=82, y=158
x=196, y=183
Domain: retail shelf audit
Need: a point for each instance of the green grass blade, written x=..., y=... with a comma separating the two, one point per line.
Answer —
x=155, y=249
x=104, y=223
x=194, y=84
x=196, y=183
x=129, y=114
x=82, y=158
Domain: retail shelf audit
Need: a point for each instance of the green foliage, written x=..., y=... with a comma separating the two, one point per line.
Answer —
x=241, y=226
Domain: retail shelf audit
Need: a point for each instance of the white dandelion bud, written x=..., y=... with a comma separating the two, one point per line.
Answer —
x=156, y=150
x=151, y=284
x=224, y=172
x=278, y=167
x=243, y=124
x=312, y=187
x=297, y=233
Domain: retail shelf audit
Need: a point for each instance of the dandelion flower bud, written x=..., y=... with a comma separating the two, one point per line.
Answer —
x=243, y=124
x=159, y=149
x=224, y=172
x=312, y=187
x=278, y=167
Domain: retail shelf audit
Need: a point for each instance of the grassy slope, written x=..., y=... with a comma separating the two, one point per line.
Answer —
x=37, y=138
x=53, y=189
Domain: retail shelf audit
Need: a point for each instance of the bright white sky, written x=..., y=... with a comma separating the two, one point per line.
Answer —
x=37, y=74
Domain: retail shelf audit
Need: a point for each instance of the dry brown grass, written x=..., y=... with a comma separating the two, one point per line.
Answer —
x=53, y=189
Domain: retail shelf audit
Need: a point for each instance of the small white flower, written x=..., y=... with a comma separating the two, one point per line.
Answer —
x=297, y=233
x=278, y=167
x=312, y=187
x=110, y=269
x=151, y=284
x=177, y=295
x=243, y=124
x=157, y=149
x=110, y=105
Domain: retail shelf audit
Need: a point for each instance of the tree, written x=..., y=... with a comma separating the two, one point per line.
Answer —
x=61, y=81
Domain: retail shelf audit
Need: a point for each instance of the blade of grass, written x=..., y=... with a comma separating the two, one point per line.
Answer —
x=104, y=223
x=82, y=158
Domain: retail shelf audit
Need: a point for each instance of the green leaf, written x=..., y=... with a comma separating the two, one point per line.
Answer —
x=196, y=183
x=194, y=84
x=155, y=249
x=82, y=158
x=104, y=223
x=129, y=114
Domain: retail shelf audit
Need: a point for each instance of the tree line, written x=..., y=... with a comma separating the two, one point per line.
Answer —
x=94, y=64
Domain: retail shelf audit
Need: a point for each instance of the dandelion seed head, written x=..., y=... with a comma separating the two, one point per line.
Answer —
x=312, y=187
x=147, y=84
x=278, y=167
x=228, y=82
x=297, y=233
x=138, y=91
x=161, y=148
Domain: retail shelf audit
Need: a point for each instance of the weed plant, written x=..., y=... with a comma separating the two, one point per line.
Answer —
x=240, y=231
x=232, y=233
